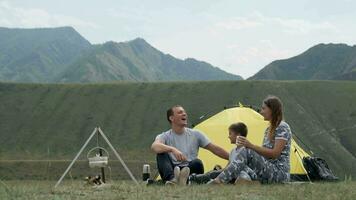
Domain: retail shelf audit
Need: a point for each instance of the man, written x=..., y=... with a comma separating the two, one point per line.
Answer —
x=177, y=149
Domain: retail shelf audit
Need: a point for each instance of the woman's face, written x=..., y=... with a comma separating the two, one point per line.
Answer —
x=266, y=112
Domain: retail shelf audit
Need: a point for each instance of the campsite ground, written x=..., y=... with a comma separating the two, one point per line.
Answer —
x=127, y=190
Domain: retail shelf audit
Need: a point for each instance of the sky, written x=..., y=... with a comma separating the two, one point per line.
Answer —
x=238, y=36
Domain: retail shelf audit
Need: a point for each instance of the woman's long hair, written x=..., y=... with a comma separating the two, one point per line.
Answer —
x=275, y=104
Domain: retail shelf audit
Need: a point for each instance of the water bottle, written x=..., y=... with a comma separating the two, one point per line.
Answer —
x=146, y=172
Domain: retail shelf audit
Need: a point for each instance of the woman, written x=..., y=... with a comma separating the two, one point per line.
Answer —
x=271, y=161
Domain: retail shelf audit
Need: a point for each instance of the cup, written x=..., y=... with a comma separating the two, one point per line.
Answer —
x=237, y=142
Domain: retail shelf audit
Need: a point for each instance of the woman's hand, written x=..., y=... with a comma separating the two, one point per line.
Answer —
x=244, y=141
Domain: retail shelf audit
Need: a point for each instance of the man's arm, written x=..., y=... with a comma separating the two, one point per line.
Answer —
x=158, y=147
x=217, y=151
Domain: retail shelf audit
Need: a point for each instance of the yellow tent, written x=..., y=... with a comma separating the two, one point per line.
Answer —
x=216, y=129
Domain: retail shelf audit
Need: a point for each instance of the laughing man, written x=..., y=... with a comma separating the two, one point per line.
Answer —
x=177, y=149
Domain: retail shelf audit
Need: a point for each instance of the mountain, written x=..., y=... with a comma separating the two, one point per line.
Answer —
x=137, y=60
x=321, y=62
x=38, y=55
x=52, y=121
x=63, y=55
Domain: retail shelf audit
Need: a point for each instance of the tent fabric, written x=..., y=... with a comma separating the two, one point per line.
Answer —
x=216, y=129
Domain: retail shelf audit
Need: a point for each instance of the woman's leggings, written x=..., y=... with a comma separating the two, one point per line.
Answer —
x=266, y=172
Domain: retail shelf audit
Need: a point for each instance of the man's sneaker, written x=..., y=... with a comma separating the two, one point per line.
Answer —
x=175, y=179
x=183, y=176
x=149, y=182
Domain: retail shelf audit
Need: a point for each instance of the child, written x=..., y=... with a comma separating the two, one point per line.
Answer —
x=235, y=130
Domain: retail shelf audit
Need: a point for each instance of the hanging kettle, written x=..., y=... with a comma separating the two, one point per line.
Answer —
x=98, y=160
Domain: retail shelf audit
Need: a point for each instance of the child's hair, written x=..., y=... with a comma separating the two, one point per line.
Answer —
x=239, y=128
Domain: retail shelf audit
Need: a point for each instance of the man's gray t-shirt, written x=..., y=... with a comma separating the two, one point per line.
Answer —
x=188, y=143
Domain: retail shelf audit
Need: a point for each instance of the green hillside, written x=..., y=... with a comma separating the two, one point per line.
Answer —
x=321, y=62
x=38, y=55
x=40, y=121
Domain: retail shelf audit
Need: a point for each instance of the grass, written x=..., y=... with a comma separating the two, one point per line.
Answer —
x=126, y=190
x=53, y=169
x=52, y=121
